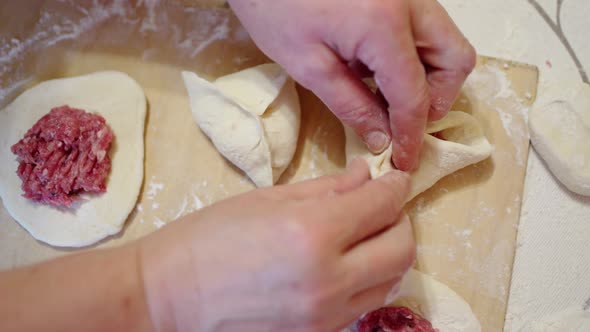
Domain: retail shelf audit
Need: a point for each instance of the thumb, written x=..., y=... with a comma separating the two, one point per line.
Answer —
x=348, y=97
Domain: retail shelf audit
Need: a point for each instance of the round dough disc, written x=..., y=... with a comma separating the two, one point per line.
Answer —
x=121, y=101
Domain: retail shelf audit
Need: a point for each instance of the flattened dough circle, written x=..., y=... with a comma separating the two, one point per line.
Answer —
x=121, y=101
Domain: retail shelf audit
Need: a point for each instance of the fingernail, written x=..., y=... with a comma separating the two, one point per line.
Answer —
x=377, y=141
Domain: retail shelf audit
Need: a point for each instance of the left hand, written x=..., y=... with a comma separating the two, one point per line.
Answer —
x=311, y=256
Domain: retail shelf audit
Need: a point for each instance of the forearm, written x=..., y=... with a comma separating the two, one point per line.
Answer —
x=99, y=290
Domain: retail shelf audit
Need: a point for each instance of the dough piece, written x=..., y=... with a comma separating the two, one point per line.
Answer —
x=433, y=300
x=463, y=144
x=120, y=100
x=560, y=132
x=252, y=117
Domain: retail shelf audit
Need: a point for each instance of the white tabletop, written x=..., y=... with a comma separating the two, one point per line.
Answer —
x=552, y=265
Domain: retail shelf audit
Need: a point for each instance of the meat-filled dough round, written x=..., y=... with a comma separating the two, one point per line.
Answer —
x=121, y=101
x=435, y=301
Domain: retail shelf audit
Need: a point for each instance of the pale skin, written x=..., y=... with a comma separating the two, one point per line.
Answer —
x=311, y=256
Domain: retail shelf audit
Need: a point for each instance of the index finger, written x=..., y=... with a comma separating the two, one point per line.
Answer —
x=401, y=77
x=447, y=53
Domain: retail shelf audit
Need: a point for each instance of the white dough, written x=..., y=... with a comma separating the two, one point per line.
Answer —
x=252, y=117
x=433, y=300
x=121, y=101
x=560, y=132
x=464, y=144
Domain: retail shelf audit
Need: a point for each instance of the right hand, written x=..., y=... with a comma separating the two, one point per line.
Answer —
x=412, y=48
x=311, y=256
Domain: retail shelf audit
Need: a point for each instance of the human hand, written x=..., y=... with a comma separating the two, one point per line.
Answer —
x=311, y=256
x=417, y=55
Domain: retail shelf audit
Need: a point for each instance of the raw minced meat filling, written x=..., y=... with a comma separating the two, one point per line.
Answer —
x=63, y=155
x=394, y=319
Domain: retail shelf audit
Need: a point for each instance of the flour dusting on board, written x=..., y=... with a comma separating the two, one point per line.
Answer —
x=317, y=152
x=490, y=83
x=157, y=18
x=154, y=188
x=198, y=196
x=52, y=27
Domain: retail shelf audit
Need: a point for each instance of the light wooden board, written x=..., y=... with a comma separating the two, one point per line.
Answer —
x=465, y=225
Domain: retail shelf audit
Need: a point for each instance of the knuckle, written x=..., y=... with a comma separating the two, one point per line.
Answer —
x=315, y=303
x=361, y=115
x=333, y=181
x=468, y=57
x=419, y=102
x=379, y=11
x=312, y=306
x=319, y=68
x=414, y=102
x=304, y=239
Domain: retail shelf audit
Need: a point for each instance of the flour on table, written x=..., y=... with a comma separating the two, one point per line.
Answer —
x=158, y=223
x=154, y=188
x=489, y=83
x=154, y=17
x=572, y=319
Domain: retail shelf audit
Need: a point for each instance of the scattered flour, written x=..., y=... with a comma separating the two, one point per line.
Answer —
x=52, y=27
x=182, y=209
x=317, y=153
x=158, y=223
x=153, y=189
x=201, y=28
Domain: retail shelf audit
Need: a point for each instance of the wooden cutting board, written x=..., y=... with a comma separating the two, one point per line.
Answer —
x=465, y=225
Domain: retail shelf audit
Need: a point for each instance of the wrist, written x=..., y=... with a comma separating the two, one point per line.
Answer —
x=155, y=289
x=170, y=284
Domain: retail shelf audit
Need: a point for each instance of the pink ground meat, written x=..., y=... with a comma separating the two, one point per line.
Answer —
x=394, y=319
x=63, y=155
